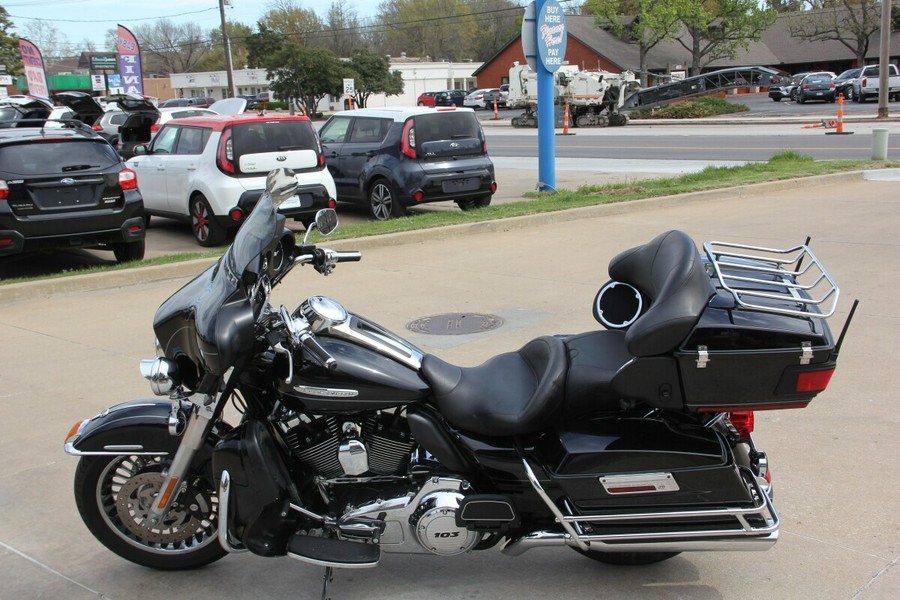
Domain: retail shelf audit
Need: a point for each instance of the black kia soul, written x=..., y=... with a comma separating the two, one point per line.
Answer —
x=64, y=186
x=393, y=158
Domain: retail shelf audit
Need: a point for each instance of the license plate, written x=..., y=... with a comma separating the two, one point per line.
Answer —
x=818, y=93
x=298, y=201
x=468, y=184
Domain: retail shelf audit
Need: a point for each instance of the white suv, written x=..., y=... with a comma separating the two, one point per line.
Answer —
x=212, y=170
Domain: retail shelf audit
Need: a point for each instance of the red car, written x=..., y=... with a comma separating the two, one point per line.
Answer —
x=426, y=99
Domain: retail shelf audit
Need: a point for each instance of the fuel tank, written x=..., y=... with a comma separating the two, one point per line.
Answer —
x=375, y=370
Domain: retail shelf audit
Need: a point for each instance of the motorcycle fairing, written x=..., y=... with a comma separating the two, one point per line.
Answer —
x=135, y=427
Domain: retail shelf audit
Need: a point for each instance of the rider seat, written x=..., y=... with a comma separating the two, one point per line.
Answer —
x=510, y=394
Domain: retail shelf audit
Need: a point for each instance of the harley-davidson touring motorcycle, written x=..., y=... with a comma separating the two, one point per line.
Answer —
x=628, y=444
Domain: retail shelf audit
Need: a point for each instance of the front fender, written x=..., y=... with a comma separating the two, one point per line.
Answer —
x=139, y=427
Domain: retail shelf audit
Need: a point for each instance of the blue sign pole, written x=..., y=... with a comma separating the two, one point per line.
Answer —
x=550, y=30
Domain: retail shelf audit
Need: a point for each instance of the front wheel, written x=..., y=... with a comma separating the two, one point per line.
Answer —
x=114, y=495
x=627, y=558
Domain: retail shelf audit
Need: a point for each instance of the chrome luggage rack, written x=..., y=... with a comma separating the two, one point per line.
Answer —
x=773, y=280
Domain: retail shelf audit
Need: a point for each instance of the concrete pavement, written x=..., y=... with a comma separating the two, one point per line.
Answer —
x=68, y=353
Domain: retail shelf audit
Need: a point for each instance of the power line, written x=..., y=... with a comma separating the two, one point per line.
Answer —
x=54, y=20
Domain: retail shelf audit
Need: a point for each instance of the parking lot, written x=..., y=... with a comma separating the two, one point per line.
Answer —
x=70, y=354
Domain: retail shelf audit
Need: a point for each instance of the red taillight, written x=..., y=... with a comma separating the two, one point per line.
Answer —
x=225, y=154
x=96, y=128
x=128, y=179
x=332, y=203
x=408, y=140
x=864, y=83
x=6, y=241
x=155, y=127
x=832, y=86
x=4, y=190
x=236, y=214
x=419, y=195
x=814, y=381
x=743, y=422
x=493, y=186
x=806, y=87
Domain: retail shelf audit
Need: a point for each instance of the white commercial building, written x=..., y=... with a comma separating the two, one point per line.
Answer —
x=418, y=76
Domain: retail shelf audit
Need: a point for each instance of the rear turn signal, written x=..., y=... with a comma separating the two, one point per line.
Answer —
x=127, y=179
x=408, y=140
x=814, y=381
x=4, y=190
x=493, y=186
x=743, y=422
x=419, y=195
x=236, y=214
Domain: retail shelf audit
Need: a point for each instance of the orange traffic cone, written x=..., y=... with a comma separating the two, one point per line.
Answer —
x=566, y=122
x=840, y=119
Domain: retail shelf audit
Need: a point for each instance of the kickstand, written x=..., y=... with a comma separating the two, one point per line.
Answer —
x=328, y=578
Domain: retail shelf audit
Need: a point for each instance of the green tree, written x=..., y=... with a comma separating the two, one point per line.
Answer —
x=9, y=45
x=650, y=23
x=850, y=22
x=372, y=75
x=719, y=28
x=308, y=74
x=292, y=22
x=498, y=21
x=261, y=45
x=214, y=60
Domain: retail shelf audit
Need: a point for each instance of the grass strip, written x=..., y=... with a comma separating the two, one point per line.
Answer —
x=786, y=165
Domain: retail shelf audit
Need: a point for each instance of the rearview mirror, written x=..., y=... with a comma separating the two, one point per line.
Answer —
x=326, y=222
x=141, y=150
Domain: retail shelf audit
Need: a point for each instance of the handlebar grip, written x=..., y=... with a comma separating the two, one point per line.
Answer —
x=349, y=256
x=318, y=353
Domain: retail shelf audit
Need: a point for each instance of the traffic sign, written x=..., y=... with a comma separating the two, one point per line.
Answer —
x=349, y=87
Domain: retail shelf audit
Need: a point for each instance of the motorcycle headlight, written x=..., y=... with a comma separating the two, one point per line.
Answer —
x=161, y=373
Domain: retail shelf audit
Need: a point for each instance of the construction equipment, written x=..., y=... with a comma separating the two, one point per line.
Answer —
x=595, y=97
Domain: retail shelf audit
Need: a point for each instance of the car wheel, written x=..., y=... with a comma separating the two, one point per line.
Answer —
x=848, y=94
x=421, y=104
x=793, y=95
x=801, y=99
x=206, y=230
x=860, y=97
x=383, y=201
x=129, y=251
x=776, y=99
x=474, y=203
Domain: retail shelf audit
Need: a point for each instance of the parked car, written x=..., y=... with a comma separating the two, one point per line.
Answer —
x=391, y=158
x=816, y=86
x=17, y=108
x=175, y=103
x=843, y=83
x=144, y=120
x=67, y=188
x=450, y=98
x=869, y=80
x=476, y=99
x=251, y=100
x=426, y=99
x=499, y=94
x=108, y=125
x=784, y=86
x=211, y=170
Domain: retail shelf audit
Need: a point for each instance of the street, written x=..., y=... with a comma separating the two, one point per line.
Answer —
x=67, y=355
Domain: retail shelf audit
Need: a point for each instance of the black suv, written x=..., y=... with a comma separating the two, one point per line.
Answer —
x=393, y=158
x=63, y=186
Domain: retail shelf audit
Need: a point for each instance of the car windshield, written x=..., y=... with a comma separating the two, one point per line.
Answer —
x=848, y=74
x=52, y=158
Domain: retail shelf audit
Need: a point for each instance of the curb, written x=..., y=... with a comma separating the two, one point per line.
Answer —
x=143, y=275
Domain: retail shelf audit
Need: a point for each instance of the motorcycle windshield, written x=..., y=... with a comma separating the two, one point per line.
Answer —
x=255, y=235
x=210, y=320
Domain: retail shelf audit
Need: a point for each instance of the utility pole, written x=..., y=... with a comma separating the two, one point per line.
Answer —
x=884, y=59
x=228, y=67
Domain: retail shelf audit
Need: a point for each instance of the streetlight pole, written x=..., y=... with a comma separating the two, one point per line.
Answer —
x=229, y=69
x=884, y=54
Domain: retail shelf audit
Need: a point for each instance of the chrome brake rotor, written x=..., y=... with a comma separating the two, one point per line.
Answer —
x=133, y=502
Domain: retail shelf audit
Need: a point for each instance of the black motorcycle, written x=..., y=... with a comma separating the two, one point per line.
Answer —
x=628, y=444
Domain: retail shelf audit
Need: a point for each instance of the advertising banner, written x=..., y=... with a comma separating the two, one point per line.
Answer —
x=98, y=83
x=34, y=70
x=130, y=62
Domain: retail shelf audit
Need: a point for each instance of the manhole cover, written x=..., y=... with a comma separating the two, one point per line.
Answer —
x=455, y=324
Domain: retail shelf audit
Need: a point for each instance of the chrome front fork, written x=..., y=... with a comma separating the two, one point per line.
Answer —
x=195, y=432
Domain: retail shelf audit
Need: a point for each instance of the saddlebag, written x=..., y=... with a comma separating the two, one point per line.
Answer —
x=610, y=462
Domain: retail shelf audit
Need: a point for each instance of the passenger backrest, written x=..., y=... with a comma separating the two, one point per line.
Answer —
x=669, y=271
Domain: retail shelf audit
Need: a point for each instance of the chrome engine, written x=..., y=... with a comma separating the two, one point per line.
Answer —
x=379, y=444
x=417, y=515
x=424, y=521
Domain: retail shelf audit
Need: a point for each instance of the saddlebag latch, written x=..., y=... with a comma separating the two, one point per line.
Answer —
x=702, y=357
x=806, y=353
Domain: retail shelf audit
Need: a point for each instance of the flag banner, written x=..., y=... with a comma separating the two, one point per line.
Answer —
x=34, y=70
x=130, y=62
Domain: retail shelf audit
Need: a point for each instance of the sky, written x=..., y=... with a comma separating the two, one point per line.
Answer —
x=90, y=19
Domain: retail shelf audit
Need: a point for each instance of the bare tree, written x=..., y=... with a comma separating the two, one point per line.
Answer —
x=850, y=22
x=170, y=48
x=341, y=32
x=51, y=41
